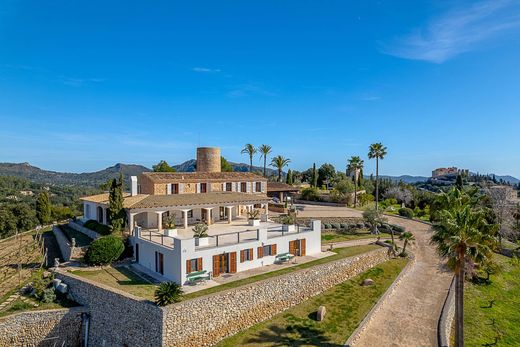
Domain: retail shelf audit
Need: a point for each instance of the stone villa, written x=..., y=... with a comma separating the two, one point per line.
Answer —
x=163, y=207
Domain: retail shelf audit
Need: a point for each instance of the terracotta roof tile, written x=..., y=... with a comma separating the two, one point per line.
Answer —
x=280, y=187
x=169, y=177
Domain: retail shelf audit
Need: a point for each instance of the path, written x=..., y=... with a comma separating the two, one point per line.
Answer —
x=409, y=316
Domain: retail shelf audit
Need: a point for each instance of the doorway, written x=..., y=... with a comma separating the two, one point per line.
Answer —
x=224, y=263
x=223, y=213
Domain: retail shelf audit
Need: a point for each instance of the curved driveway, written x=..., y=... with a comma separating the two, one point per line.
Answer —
x=409, y=316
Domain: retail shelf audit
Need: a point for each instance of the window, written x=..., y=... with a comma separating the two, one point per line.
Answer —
x=246, y=255
x=159, y=263
x=87, y=211
x=203, y=187
x=269, y=250
x=194, y=265
x=175, y=188
x=229, y=187
x=258, y=186
x=243, y=187
x=190, y=214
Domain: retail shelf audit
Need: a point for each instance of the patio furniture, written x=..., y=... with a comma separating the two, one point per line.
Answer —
x=197, y=276
x=283, y=257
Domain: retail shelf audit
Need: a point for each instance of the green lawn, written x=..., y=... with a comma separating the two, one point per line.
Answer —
x=122, y=279
x=340, y=253
x=329, y=236
x=81, y=239
x=346, y=304
x=483, y=323
x=19, y=306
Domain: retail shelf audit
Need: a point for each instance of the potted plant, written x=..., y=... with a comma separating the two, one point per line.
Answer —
x=288, y=224
x=169, y=225
x=200, y=231
x=254, y=217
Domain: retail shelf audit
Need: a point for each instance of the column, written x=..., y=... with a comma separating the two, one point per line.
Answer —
x=131, y=222
x=208, y=215
x=159, y=220
x=230, y=214
x=281, y=197
x=266, y=208
x=185, y=218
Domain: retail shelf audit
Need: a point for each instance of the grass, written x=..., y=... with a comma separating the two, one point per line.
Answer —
x=20, y=306
x=122, y=279
x=331, y=236
x=340, y=253
x=346, y=304
x=484, y=322
x=81, y=239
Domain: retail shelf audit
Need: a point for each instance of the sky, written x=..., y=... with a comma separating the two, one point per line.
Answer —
x=87, y=84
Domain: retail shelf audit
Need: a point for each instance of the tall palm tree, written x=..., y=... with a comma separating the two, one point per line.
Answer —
x=462, y=235
x=280, y=162
x=250, y=150
x=355, y=165
x=377, y=151
x=264, y=150
x=407, y=237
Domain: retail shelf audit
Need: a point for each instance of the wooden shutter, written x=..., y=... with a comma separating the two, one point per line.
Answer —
x=292, y=247
x=273, y=249
x=199, y=264
x=242, y=256
x=216, y=265
x=232, y=262
x=188, y=266
x=260, y=252
x=251, y=254
x=302, y=247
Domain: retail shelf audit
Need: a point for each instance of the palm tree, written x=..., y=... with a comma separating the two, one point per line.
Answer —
x=250, y=150
x=279, y=162
x=264, y=152
x=355, y=165
x=378, y=151
x=462, y=235
x=407, y=237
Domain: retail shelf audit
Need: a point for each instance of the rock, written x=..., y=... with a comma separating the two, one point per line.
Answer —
x=367, y=282
x=320, y=314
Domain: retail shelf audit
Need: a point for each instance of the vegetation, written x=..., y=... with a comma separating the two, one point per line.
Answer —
x=225, y=166
x=289, y=179
x=463, y=236
x=279, y=162
x=80, y=238
x=406, y=212
x=310, y=194
x=116, y=212
x=98, y=227
x=200, y=230
x=250, y=150
x=254, y=214
x=43, y=208
x=374, y=218
x=407, y=237
x=104, y=250
x=346, y=304
x=163, y=166
x=326, y=174
x=167, y=293
x=377, y=151
x=314, y=177
x=264, y=150
x=355, y=165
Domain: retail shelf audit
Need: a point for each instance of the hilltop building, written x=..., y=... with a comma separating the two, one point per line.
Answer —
x=224, y=201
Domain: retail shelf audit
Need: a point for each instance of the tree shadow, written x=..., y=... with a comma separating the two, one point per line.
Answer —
x=305, y=336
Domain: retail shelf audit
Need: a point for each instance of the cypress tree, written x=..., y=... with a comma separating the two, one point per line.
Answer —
x=43, y=208
x=116, y=212
x=314, y=182
x=459, y=184
x=289, y=179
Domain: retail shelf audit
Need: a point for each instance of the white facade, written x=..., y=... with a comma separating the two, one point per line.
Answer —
x=174, y=258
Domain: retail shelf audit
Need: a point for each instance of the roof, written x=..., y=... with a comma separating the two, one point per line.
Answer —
x=280, y=187
x=169, y=177
x=154, y=201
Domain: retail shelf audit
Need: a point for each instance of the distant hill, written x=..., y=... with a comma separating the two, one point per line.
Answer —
x=507, y=178
x=406, y=178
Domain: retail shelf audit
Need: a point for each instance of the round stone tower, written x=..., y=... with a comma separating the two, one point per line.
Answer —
x=208, y=159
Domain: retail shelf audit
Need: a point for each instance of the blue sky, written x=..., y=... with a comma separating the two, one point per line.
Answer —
x=86, y=84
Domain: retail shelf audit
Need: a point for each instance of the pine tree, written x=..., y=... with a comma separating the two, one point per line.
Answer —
x=314, y=182
x=116, y=213
x=289, y=179
x=43, y=208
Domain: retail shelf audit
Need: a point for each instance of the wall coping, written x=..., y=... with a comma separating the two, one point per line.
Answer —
x=75, y=309
x=446, y=318
x=362, y=326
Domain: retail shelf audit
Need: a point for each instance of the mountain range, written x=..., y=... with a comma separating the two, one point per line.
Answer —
x=94, y=179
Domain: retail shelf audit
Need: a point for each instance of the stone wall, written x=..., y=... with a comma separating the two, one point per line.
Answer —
x=116, y=318
x=89, y=232
x=446, y=318
x=67, y=251
x=228, y=312
x=42, y=328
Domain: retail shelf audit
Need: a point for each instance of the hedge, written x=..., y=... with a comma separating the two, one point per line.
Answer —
x=98, y=227
x=406, y=212
x=104, y=250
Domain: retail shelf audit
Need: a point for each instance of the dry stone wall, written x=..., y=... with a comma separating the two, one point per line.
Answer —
x=42, y=328
x=206, y=320
x=116, y=318
x=90, y=233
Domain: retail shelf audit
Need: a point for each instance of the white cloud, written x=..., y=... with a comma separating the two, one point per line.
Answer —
x=205, y=70
x=457, y=31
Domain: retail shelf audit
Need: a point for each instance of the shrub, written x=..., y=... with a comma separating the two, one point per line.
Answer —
x=398, y=228
x=336, y=226
x=365, y=198
x=310, y=194
x=40, y=284
x=98, y=227
x=344, y=226
x=104, y=250
x=200, y=230
x=327, y=226
x=390, y=202
x=406, y=212
x=48, y=295
x=287, y=220
x=168, y=293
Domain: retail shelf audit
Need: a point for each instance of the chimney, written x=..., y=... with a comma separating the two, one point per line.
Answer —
x=133, y=184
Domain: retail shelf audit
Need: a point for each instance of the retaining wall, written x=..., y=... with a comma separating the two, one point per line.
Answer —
x=447, y=317
x=60, y=327
x=67, y=251
x=89, y=232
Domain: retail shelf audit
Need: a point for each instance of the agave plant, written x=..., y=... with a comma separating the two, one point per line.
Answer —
x=253, y=214
x=169, y=222
x=200, y=230
x=168, y=293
